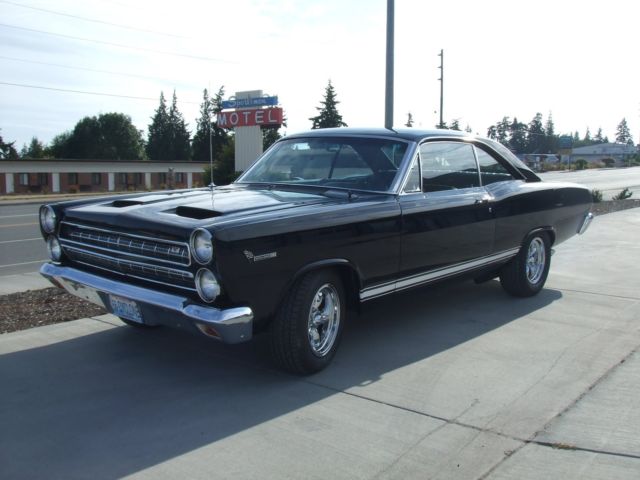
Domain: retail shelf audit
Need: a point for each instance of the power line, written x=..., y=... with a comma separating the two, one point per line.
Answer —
x=86, y=19
x=119, y=45
x=103, y=94
x=86, y=69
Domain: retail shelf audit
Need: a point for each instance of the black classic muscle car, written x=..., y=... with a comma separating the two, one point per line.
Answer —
x=323, y=221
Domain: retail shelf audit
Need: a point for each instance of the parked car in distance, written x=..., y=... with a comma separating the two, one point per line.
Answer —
x=322, y=222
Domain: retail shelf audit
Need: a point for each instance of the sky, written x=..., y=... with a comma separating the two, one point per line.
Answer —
x=575, y=60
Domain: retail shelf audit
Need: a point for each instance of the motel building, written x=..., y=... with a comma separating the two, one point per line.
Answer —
x=76, y=176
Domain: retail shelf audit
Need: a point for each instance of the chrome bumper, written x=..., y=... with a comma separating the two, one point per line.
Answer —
x=585, y=223
x=233, y=325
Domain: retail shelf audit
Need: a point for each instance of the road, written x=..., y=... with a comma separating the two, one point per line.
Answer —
x=22, y=250
x=21, y=246
x=609, y=181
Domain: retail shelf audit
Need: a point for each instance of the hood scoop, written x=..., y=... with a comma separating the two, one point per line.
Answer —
x=197, y=213
x=126, y=203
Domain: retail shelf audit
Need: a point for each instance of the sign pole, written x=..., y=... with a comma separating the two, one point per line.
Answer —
x=388, y=104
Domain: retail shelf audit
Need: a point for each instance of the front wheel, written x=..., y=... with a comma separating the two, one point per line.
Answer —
x=526, y=273
x=307, y=328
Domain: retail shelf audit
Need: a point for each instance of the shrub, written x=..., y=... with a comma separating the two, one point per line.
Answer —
x=623, y=195
x=608, y=162
x=596, y=195
x=581, y=164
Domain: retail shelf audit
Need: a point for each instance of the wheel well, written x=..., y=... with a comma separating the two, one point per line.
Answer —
x=548, y=230
x=347, y=273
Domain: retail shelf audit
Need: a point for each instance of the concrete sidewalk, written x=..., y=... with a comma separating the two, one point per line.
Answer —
x=458, y=383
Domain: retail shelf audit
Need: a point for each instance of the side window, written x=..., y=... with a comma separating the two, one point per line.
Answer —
x=448, y=166
x=413, y=181
x=490, y=170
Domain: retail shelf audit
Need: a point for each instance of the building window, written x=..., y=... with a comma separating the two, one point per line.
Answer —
x=122, y=178
x=137, y=178
x=179, y=177
x=162, y=178
x=43, y=179
x=23, y=178
x=96, y=179
x=72, y=178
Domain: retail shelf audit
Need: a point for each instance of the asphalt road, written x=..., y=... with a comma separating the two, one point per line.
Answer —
x=609, y=181
x=22, y=249
x=456, y=383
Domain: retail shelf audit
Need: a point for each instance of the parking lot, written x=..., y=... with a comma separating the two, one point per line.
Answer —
x=458, y=382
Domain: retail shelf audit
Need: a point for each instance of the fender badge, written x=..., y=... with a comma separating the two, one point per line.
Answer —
x=258, y=258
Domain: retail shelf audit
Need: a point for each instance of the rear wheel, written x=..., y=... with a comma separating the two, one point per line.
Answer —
x=526, y=274
x=306, y=331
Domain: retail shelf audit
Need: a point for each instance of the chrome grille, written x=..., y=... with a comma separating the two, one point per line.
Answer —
x=150, y=259
x=134, y=246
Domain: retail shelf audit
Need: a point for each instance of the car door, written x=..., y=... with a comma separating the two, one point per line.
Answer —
x=448, y=225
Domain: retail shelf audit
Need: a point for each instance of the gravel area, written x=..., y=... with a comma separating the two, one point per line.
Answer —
x=19, y=311
x=34, y=308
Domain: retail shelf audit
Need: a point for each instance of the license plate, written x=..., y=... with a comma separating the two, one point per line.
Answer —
x=125, y=308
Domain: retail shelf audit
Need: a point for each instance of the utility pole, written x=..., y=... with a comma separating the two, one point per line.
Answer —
x=441, y=67
x=388, y=99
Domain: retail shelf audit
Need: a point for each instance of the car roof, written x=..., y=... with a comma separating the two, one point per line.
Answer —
x=411, y=134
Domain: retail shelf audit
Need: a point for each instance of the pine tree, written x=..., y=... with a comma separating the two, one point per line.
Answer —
x=7, y=150
x=535, y=135
x=599, y=138
x=35, y=149
x=587, y=137
x=518, y=140
x=178, y=133
x=551, y=140
x=158, y=142
x=455, y=125
x=468, y=129
x=623, y=134
x=200, y=145
x=328, y=116
x=409, y=120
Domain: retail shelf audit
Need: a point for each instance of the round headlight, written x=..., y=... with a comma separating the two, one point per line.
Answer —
x=207, y=285
x=54, y=248
x=47, y=219
x=201, y=246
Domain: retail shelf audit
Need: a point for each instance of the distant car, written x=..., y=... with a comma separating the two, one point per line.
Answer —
x=323, y=221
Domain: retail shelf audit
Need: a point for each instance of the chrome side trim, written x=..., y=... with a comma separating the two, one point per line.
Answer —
x=588, y=218
x=433, y=275
x=232, y=325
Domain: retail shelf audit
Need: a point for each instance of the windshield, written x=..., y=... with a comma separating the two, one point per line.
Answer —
x=352, y=163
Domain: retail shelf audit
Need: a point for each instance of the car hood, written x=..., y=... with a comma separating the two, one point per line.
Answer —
x=188, y=208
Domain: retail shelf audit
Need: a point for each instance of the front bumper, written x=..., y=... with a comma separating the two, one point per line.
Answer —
x=233, y=325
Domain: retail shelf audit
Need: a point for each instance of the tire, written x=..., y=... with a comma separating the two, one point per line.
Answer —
x=307, y=328
x=133, y=324
x=526, y=274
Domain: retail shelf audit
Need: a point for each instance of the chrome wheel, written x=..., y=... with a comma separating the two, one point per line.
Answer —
x=324, y=319
x=536, y=260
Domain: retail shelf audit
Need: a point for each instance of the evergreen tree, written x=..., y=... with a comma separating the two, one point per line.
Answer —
x=207, y=125
x=180, y=146
x=468, y=129
x=35, y=149
x=409, y=120
x=502, y=131
x=623, y=134
x=536, y=135
x=551, y=140
x=7, y=150
x=599, y=138
x=587, y=137
x=455, y=125
x=158, y=141
x=328, y=116
x=518, y=140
